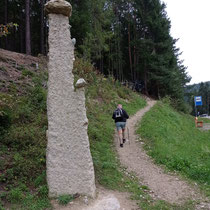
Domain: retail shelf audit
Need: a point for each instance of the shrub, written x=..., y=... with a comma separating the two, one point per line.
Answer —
x=5, y=120
x=43, y=191
x=15, y=195
x=65, y=199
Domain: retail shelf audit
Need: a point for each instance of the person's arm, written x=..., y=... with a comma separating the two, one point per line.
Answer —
x=125, y=114
x=113, y=116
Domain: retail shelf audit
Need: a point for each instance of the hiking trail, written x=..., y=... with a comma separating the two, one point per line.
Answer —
x=162, y=185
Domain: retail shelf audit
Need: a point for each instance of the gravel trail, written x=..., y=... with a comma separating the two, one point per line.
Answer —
x=163, y=186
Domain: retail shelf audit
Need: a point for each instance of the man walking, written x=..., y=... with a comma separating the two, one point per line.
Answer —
x=120, y=116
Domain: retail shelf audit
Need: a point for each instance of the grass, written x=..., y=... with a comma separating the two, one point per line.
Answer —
x=103, y=94
x=23, y=125
x=205, y=120
x=2, y=68
x=172, y=140
x=65, y=199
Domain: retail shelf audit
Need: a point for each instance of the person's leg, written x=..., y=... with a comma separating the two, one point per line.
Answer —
x=119, y=132
x=123, y=135
x=120, y=137
x=123, y=132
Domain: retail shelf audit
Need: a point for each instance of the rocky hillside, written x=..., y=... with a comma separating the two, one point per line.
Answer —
x=17, y=69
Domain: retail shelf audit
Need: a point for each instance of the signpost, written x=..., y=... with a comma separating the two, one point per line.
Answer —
x=198, y=102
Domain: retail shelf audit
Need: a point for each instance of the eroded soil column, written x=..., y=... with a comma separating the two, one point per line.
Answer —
x=69, y=162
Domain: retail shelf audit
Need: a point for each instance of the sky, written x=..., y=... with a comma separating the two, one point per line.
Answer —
x=190, y=22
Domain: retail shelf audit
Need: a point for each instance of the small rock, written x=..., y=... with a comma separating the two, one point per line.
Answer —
x=85, y=200
x=80, y=83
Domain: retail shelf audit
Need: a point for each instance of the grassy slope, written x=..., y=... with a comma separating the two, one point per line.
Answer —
x=103, y=94
x=205, y=120
x=23, y=140
x=23, y=125
x=172, y=139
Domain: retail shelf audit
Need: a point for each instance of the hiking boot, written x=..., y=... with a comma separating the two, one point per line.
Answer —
x=124, y=140
x=121, y=145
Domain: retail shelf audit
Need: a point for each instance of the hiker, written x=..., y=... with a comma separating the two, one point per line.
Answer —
x=120, y=116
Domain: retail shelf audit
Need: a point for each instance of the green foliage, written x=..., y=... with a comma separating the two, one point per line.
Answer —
x=4, y=29
x=23, y=148
x=65, y=199
x=40, y=180
x=27, y=72
x=201, y=89
x=43, y=191
x=177, y=104
x=1, y=206
x=5, y=120
x=2, y=68
x=23, y=128
x=102, y=98
x=33, y=202
x=129, y=40
x=15, y=195
x=172, y=139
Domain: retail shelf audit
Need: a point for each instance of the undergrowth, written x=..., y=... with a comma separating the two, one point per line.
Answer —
x=173, y=140
x=102, y=97
x=23, y=125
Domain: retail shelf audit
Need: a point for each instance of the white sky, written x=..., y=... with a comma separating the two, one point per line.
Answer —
x=190, y=21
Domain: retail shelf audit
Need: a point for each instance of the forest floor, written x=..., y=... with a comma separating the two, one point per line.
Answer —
x=162, y=185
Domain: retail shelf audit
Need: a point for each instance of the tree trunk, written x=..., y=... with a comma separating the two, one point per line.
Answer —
x=42, y=50
x=5, y=12
x=6, y=19
x=145, y=81
x=119, y=57
x=134, y=63
x=129, y=49
x=28, y=30
x=134, y=51
x=22, y=36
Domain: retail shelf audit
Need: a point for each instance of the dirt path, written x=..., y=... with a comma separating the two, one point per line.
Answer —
x=105, y=200
x=163, y=186
x=206, y=127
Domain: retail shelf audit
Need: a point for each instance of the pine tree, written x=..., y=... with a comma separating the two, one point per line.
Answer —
x=28, y=28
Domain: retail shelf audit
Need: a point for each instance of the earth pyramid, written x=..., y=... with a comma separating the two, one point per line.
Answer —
x=69, y=162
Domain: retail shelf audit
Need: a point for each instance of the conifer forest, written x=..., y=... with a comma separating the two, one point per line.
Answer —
x=129, y=40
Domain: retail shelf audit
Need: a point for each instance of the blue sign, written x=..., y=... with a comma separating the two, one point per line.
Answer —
x=198, y=101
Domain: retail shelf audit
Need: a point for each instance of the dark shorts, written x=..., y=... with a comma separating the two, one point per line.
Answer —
x=120, y=125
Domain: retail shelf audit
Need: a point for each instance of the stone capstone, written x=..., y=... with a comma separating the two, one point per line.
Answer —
x=58, y=7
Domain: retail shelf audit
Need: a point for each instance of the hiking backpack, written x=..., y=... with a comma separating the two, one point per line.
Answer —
x=118, y=113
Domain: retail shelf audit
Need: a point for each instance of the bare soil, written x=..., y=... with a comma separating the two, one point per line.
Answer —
x=105, y=200
x=13, y=64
